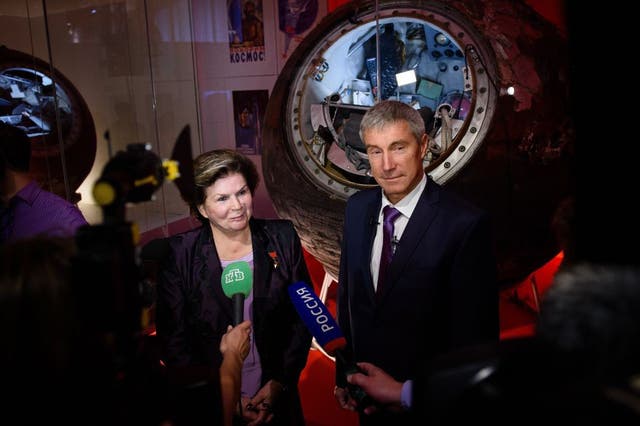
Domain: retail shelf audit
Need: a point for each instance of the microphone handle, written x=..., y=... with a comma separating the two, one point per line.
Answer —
x=356, y=392
x=238, y=308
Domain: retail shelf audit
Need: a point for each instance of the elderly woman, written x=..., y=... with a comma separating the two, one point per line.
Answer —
x=194, y=312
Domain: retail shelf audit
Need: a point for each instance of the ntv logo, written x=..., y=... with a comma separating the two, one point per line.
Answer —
x=233, y=275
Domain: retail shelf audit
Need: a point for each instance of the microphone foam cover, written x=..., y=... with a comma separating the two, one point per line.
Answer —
x=237, y=278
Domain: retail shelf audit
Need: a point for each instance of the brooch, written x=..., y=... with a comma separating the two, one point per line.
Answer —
x=274, y=259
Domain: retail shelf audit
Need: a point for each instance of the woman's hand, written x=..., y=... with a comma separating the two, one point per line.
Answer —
x=261, y=405
x=344, y=399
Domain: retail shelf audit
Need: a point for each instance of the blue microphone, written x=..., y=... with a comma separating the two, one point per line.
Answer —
x=317, y=318
x=327, y=333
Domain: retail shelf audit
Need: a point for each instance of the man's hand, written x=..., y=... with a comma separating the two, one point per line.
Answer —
x=380, y=386
x=344, y=399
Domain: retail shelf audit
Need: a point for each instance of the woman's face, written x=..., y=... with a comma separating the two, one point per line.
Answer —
x=228, y=203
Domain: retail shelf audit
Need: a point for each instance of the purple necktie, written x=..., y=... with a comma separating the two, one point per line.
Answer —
x=390, y=215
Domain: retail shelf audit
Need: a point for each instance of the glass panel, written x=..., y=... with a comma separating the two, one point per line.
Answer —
x=131, y=64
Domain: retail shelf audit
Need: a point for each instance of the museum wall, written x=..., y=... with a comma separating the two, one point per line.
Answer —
x=147, y=69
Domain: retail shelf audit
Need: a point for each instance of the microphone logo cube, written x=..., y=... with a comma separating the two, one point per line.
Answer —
x=233, y=275
x=237, y=278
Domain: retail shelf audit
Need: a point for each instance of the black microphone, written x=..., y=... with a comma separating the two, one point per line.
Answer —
x=327, y=333
x=237, y=280
x=394, y=244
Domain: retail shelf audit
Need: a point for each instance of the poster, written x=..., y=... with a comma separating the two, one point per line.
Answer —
x=246, y=31
x=248, y=116
x=295, y=19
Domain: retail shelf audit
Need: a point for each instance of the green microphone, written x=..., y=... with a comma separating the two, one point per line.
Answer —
x=237, y=280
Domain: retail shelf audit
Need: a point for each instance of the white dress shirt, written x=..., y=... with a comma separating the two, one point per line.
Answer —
x=405, y=207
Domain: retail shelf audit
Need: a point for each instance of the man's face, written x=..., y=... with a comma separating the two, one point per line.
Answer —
x=396, y=158
x=245, y=118
x=249, y=9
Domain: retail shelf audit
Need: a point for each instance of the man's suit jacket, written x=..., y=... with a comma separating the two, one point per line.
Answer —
x=440, y=292
x=193, y=311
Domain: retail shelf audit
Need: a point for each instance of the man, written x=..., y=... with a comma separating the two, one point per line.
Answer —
x=581, y=365
x=439, y=291
x=27, y=210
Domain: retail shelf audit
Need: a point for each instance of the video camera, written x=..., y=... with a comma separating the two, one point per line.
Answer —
x=115, y=296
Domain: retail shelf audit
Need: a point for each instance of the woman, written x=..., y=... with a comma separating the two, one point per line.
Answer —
x=193, y=311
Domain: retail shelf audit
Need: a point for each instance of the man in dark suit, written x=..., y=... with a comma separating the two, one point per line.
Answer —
x=439, y=291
